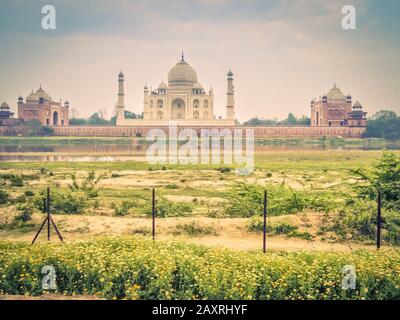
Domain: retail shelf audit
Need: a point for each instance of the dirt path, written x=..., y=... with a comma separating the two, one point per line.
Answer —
x=229, y=233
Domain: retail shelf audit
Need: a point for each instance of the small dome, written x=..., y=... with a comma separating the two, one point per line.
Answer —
x=335, y=94
x=40, y=93
x=182, y=74
x=4, y=106
x=357, y=104
x=162, y=85
x=32, y=98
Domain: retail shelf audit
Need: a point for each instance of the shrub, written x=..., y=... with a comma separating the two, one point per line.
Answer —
x=16, y=181
x=144, y=231
x=385, y=176
x=224, y=169
x=29, y=193
x=43, y=170
x=4, y=197
x=194, y=229
x=256, y=224
x=25, y=214
x=122, y=209
x=166, y=208
x=68, y=202
x=63, y=202
x=247, y=200
x=358, y=220
x=88, y=185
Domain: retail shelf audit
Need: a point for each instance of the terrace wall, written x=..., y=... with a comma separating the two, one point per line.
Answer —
x=259, y=132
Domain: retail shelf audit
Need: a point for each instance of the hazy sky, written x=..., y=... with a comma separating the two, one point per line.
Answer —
x=282, y=53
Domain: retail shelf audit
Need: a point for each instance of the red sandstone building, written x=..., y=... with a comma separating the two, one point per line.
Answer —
x=40, y=106
x=334, y=109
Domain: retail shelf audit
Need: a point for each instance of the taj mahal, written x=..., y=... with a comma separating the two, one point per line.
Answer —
x=182, y=100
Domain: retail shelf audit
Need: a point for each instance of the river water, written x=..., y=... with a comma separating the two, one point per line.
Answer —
x=91, y=151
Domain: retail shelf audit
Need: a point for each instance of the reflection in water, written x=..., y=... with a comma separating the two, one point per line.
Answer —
x=136, y=151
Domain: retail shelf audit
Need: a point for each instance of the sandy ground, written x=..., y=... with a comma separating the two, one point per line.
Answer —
x=230, y=233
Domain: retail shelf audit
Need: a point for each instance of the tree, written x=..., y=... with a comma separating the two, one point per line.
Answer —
x=77, y=121
x=35, y=128
x=96, y=119
x=383, y=124
x=385, y=176
x=291, y=119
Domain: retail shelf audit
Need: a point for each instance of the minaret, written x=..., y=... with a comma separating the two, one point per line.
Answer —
x=230, y=99
x=146, y=102
x=120, y=107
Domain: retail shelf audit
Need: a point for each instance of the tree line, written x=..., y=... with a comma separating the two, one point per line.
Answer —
x=97, y=119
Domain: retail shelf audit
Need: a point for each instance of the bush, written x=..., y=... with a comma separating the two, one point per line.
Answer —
x=247, y=200
x=43, y=170
x=256, y=224
x=4, y=197
x=68, y=202
x=385, y=176
x=143, y=206
x=63, y=202
x=358, y=219
x=29, y=193
x=16, y=181
x=224, y=169
x=122, y=209
x=194, y=229
x=166, y=208
x=88, y=185
x=25, y=214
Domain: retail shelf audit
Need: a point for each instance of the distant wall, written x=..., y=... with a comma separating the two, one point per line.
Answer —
x=12, y=130
x=259, y=132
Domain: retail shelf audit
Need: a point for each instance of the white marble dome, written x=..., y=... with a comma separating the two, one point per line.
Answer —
x=182, y=74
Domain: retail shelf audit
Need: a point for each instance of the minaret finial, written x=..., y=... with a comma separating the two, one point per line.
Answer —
x=183, y=56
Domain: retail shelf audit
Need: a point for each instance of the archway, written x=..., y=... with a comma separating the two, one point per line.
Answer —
x=55, y=118
x=178, y=109
x=196, y=115
x=159, y=115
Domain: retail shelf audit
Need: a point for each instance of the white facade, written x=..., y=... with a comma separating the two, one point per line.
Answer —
x=183, y=100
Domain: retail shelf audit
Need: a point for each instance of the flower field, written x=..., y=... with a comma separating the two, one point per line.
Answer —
x=136, y=268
